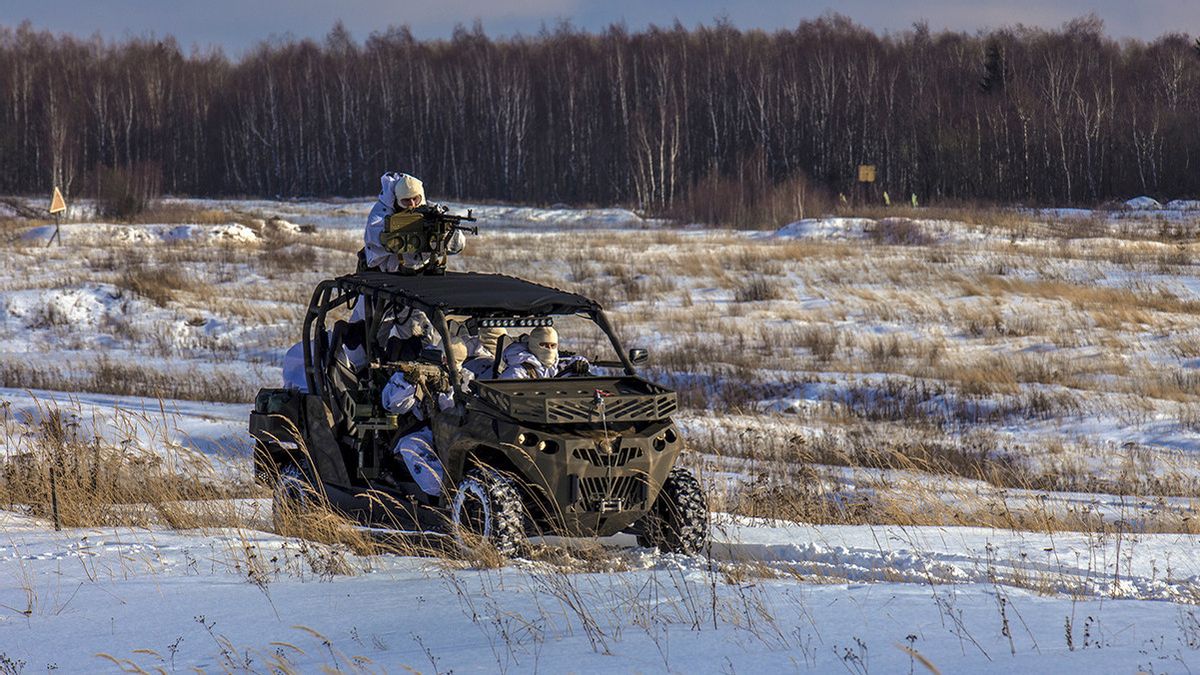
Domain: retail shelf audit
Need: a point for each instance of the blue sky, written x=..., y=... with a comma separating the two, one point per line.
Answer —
x=236, y=25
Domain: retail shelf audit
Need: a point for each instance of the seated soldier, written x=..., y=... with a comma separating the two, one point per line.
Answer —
x=481, y=352
x=416, y=449
x=537, y=357
x=348, y=352
x=404, y=336
x=293, y=369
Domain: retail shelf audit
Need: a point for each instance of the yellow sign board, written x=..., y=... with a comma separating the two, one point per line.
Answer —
x=57, y=203
x=866, y=173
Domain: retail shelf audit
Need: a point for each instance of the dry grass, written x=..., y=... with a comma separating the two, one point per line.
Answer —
x=898, y=231
x=167, y=212
x=57, y=470
x=1045, y=322
x=132, y=377
x=896, y=482
x=159, y=283
x=760, y=289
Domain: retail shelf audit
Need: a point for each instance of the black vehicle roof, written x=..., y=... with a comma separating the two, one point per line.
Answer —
x=468, y=293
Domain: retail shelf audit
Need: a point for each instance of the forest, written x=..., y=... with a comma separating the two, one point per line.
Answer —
x=651, y=119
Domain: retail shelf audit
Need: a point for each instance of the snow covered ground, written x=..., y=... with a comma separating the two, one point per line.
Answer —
x=995, y=421
x=770, y=598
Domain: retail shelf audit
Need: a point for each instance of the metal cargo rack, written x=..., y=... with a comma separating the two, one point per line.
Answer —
x=579, y=399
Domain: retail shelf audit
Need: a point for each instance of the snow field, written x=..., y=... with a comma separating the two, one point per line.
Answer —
x=959, y=406
x=821, y=599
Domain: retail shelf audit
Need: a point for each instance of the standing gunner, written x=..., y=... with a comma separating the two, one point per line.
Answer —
x=399, y=193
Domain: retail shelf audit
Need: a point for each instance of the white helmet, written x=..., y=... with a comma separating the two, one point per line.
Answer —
x=543, y=343
x=409, y=187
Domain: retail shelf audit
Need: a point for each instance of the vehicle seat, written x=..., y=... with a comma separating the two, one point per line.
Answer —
x=343, y=374
x=498, y=365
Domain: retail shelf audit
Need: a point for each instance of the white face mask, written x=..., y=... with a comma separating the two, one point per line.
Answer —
x=490, y=337
x=458, y=353
x=543, y=343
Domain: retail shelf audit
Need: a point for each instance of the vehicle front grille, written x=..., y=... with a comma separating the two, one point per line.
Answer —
x=618, y=458
x=630, y=490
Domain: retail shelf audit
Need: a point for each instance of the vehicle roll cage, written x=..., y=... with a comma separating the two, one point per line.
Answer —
x=334, y=293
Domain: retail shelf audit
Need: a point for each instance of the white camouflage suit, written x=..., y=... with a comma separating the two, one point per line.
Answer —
x=380, y=258
x=416, y=448
x=522, y=359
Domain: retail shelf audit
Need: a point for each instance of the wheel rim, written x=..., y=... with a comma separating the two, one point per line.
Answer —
x=291, y=485
x=472, y=511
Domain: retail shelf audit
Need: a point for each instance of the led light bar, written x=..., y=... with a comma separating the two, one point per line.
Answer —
x=515, y=322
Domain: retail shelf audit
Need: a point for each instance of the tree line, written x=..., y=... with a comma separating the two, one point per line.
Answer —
x=645, y=118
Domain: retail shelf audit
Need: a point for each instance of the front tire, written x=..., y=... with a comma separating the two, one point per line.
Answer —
x=488, y=506
x=678, y=520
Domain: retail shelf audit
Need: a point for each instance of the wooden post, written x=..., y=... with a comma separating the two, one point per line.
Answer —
x=54, y=499
x=57, y=206
x=56, y=232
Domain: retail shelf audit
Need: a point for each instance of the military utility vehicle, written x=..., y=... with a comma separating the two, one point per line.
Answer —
x=586, y=455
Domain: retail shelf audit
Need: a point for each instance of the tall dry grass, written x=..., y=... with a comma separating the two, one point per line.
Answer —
x=59, y=468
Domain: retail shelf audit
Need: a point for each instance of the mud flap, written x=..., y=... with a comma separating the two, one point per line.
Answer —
x=322, y=445
x=451, y=442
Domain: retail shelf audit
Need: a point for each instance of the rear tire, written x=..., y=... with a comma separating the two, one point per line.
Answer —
x=487, y=505
x=678, y=520
x=290, y=496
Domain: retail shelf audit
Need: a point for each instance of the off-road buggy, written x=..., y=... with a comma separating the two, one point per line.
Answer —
x=591, y=455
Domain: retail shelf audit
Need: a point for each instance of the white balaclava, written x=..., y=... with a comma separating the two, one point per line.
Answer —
x=408, y=187
x=457, y=353
x=548, y=355
x=490, y=337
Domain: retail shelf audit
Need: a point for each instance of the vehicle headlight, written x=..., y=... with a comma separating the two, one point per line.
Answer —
x=667, y=437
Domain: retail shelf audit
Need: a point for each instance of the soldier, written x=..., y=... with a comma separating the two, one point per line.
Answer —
x=399, y=192
x=481, y=352
x=416, y=449
x=349, y=353
x=537, y=357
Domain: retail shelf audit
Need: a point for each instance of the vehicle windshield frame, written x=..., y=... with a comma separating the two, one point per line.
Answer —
x=343, y=291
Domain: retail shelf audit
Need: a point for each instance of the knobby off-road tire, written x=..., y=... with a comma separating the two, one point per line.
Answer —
x=290, y=496
x=678, y=520
x=488, y=505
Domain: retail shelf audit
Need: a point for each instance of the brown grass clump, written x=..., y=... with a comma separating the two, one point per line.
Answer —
x=899, y=232
x=314, y=519
x=820, y=341
x=171, y=213
x=760, y=289
x=159, y=283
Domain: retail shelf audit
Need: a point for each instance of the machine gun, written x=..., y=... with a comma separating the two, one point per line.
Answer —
x=428, y=377
x=425, y=230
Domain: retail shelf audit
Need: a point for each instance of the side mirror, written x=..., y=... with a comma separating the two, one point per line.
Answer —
x=639, y=356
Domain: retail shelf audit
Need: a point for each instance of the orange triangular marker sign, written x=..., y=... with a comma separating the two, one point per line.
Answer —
x=57, y=203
